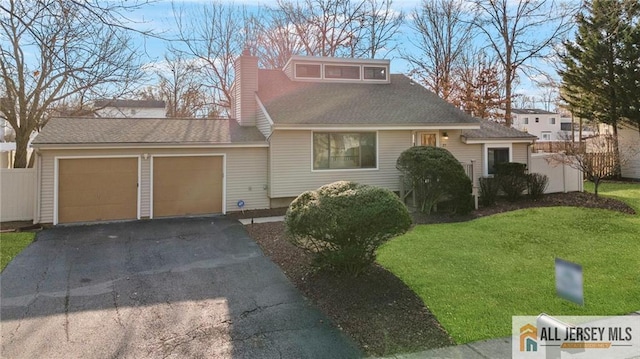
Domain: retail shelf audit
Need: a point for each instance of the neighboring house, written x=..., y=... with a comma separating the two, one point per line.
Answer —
x=629, y=142
x=545, y=125
x=130, y=108
x=629, y=146
x=316, y=121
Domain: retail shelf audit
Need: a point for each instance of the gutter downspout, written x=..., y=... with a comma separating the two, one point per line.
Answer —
x=36, y=206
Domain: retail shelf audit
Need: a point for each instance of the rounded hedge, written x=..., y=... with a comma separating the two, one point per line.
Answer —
x=343, y=223
x=436, y=175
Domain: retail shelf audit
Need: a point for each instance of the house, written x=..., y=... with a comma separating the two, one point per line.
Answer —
x=545, y=125
x=629, y=147
x=629, y=143
x=315, y=121
x=130, y=108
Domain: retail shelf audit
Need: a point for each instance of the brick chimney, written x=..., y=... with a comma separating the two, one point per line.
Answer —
x=246, y=86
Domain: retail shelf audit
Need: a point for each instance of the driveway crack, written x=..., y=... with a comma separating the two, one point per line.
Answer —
x=66, y=303
x=35, y=297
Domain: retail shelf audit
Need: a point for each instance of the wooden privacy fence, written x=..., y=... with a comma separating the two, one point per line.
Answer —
x=602, y=164
x=17, y=194
x=558, y=146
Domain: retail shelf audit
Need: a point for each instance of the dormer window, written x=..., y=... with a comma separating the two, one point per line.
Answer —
x=308, y=71
x=342, y=72
x=329, y=69
x=375, y=73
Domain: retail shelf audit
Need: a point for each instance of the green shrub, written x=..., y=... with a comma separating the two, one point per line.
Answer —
x=436, y=175
x=489, y=187
x=343, y=223
x=537, y=183
x=512, y=178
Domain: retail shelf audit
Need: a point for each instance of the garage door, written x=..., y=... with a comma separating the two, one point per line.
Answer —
x=97, y=189
x=185, y=186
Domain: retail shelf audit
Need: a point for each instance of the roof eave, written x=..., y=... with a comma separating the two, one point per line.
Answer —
x=146, y=145
x=481, y=140
x=376, y=127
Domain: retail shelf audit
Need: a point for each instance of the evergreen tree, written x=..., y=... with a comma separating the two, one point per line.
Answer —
x=601, y=73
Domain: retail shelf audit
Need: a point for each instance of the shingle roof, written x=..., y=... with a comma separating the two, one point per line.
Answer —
x=145, y=131
x=492, y=130
x=130, y=103
x=531, y=111
x=402, y=102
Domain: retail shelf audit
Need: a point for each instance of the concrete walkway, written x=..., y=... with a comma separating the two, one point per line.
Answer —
x=487, y=349
x=246, y=221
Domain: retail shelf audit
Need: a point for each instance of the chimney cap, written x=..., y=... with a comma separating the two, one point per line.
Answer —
x=246, y=52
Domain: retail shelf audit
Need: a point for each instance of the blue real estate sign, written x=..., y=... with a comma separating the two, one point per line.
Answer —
x=569, y=281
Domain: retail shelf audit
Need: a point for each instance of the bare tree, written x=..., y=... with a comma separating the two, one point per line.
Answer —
x=215, y=34
x=595, y=158
x=478, y=88
x=377, y=33
x=52, y=50
x=276, y=40
x=180, y=85
x=325, y=27
x=519, y=31
x=443, y=32
x=523, y=101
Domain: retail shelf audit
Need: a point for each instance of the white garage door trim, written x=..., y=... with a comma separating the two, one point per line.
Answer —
x=224, y=176
x=56, y=184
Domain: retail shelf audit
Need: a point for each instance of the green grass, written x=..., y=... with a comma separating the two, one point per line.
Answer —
x=475, y=275
x=11, y=244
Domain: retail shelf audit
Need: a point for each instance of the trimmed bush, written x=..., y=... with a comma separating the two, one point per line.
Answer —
x=343, y=223
x=512, y=178
x=537, y=183
x=489, y=187
x=436, y=175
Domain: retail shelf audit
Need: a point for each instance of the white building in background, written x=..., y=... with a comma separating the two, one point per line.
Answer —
x=130, y=108
x=547, y=126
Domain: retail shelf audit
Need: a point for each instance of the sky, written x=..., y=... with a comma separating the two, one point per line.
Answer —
x=159, y=16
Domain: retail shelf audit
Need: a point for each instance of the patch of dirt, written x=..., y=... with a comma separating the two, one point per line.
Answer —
x=376, y=309
x=573, y=199
x=19, y=226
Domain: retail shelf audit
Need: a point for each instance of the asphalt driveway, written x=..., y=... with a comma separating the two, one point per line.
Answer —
x=175, y=288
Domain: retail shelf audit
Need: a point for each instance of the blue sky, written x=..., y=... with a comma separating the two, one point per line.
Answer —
x=159, y=16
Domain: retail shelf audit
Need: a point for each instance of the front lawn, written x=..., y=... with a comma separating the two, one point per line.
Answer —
x=475, y=275
x=11, y=244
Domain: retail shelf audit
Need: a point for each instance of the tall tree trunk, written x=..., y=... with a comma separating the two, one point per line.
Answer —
x=507, y=102
x=21, y=160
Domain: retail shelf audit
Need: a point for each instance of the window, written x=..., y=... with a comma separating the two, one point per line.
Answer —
x=526, y=120
x=309, y=71
x=495, y=156
x=375, y=73
x=546, y=135
x=537, y=119
x=334, y=150
x=341, y=72
x=565, y=126
x=552, y=121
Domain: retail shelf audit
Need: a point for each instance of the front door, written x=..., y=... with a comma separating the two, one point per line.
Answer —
x=427, y=139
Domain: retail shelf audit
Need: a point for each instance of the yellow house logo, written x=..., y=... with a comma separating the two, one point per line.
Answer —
x=528, y=337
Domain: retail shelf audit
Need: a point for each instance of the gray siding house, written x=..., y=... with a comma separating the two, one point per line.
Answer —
x=315, y=121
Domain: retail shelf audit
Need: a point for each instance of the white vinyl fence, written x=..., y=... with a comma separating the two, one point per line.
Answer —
x=562, y=177
x=17, y=194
